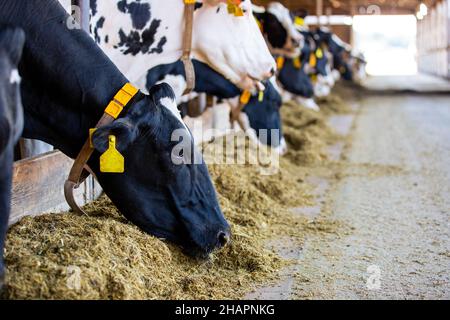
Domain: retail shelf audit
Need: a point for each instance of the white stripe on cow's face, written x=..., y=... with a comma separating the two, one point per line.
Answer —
x=178, y=84
x=15, y=78
x=171, y=105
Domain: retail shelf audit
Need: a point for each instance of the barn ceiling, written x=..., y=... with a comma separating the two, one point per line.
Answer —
x=349, y=7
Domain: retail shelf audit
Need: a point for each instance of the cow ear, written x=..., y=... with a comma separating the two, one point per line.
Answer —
x=260, y=15
x=12, y=40
x=124, y=131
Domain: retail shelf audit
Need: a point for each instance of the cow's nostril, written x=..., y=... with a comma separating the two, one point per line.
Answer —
x=272, y=72
x=223, y=238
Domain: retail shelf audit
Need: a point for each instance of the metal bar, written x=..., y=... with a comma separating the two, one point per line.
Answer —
x=84, y=11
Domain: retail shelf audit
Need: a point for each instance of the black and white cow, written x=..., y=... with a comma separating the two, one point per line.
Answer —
x=278, y=28
x=338, y=50
x=285, y=40
x=67, y=81
x=11, y=121
x=212, y=83
x=224, y=62
x=141, y=35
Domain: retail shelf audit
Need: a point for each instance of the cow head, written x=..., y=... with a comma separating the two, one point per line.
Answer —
x=295, y=80
x=232, y=45
x=163, y=191
x=11, y=121
x=265, y=120
x=279, y=30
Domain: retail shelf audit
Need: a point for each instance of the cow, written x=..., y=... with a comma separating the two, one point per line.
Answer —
x=338, y=49
x=67, y=82
x=264, y=118
x=215, y=64
x=140, y=35
x=212, y=83
x=279, y=30
x=11, y=121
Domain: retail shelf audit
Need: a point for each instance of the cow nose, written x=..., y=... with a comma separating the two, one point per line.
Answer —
x=223, y=239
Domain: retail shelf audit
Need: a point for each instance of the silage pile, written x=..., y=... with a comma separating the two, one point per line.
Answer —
x=102, y=256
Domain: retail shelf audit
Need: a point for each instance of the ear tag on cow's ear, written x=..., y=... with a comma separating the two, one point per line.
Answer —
x=112, y=161
x=245, y=97
x=299, y=21
x=231, y=8
x=297, y=63
x=261, y=96
x=313, y=60
x=190, y=1
x=319, y=53
x=280, y=63
x=238, y=12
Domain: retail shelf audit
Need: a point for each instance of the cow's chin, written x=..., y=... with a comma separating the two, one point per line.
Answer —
x=248, y=84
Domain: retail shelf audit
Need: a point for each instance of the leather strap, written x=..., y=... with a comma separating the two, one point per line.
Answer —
x=187, y=46
x=80, y=170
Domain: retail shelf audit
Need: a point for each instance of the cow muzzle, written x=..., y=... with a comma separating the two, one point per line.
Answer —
x=223, y=238
x=252, y=84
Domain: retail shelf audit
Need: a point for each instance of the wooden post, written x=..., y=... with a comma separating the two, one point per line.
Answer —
x=329, y=13
x=319, y=11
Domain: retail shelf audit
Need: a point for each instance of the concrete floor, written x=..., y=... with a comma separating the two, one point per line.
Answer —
x=393, y=193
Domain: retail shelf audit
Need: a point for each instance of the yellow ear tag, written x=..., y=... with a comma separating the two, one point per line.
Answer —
x=299, y=21
x=280, y=63
x=245, y=97
x=261, y=96
x=313, y=60
x=319, y=53
x=314, y=78
x=112, y=161
x=238, y=12
x=297, y=63
x=231, y=8
x=190, y=1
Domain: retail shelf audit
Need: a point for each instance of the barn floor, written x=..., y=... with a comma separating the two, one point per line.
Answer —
x=390, y=186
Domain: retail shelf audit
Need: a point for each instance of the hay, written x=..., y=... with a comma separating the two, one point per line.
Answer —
x=102, y=256
x=307, y=134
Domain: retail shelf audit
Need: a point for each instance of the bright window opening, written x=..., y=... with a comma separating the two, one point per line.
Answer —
x=388, y=43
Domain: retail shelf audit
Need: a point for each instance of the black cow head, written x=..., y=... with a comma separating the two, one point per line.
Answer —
x=165, y=190
x=11, y=121
x=295, y=80
x=264, y=117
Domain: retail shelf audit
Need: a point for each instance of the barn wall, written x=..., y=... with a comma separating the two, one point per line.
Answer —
x=433, y=40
